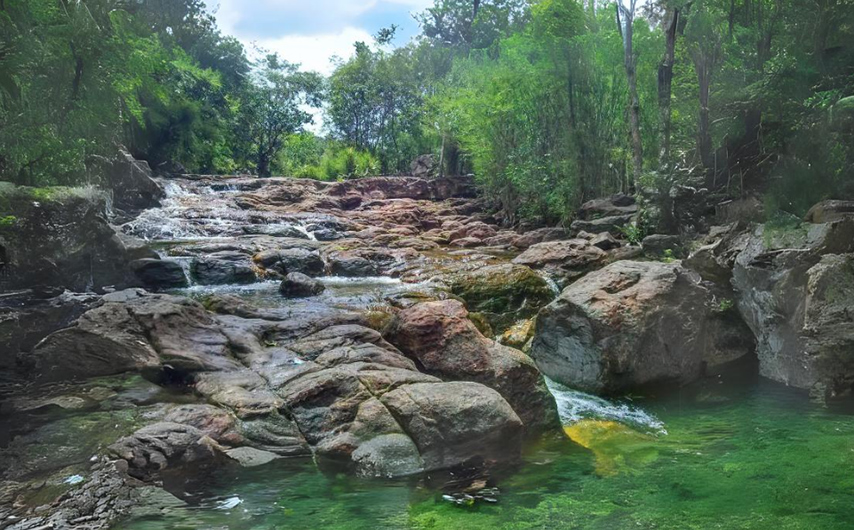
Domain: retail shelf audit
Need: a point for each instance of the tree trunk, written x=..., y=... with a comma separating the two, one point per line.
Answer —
x=263, y=163
x=665, y=87
x=634, y=100
x=703, y=67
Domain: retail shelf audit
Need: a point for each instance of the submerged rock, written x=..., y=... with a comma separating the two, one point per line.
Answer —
x=632, y=324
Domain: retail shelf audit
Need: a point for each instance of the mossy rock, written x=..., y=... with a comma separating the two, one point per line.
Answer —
x=506, y=292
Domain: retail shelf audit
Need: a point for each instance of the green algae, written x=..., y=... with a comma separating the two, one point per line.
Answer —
x=754, y=457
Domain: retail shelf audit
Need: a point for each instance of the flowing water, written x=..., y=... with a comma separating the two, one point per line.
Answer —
x=722, y=454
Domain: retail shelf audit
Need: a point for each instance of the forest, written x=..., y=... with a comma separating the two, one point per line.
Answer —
x=549, y=103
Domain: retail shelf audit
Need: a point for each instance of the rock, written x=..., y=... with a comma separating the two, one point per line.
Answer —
x=830, y=211
x=564, y=261
x=223, y=268
x=747, y=210
x=604, y=241
x=135, y=331
x=59, y=237
x=618, y=205
x=658, y=245
x=167, y=446
x=350, y=265
x=794, y=291
x=467, y=242
x=132, y=184
x=217, y=423
x=540, y=235
x=24, y=322
x=441, y=339
x=298, y=285
x=425, y=166
x=613, y=224
x=456, y=423
x=842, y=114
x=505, y=293
x=286, y=261
x=250, y=457
x=632, y=324
x=519, y=336
x=715, y=258
x=159, y=274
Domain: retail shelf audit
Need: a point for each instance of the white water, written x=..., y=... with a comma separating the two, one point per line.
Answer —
x=574, y=406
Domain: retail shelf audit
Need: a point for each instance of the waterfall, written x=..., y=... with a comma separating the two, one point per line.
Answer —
x=574, y=406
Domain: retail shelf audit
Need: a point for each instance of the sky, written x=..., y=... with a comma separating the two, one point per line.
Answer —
x=311, y=32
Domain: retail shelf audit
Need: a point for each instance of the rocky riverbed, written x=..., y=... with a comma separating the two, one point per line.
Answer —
x=375, y=327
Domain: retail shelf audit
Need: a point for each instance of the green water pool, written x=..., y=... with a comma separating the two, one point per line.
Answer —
x=744, y=455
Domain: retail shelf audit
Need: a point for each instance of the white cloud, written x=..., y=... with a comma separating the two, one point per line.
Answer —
x=315, y=51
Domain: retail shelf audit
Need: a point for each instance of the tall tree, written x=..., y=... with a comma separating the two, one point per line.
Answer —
x=704, y=42
x=625, y=23
x=272, y=108
x=665, y=83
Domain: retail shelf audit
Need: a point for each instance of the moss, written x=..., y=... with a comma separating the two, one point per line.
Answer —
x=784, y=232
x=505, y=293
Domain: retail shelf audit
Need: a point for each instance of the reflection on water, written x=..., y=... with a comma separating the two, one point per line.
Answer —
x=754, y=457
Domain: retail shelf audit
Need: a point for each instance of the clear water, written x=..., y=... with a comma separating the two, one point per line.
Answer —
x=750, y=455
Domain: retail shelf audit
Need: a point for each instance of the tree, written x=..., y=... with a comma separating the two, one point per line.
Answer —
x=665, y=83
x=272, y=108
x=704, y=44
x=376, y=104
x=625, y=23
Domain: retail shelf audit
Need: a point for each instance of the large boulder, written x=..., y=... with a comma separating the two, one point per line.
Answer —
x=830, y=211
x=615, y=205
x=135, y=332
x=59, y=237
x=132, y=184
x=636, y=323
x=795, y=291
x=286, y=261
x=159, y=273
x=441, y=339
x=454, y=424
x=25, y=321
x=425, y=167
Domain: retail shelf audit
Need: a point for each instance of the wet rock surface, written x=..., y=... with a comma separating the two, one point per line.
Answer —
x=632, y=324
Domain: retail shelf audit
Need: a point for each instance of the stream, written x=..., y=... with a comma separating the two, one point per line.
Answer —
x=724, y=453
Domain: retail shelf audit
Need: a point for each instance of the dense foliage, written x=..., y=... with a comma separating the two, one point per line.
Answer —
x=548, y=102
